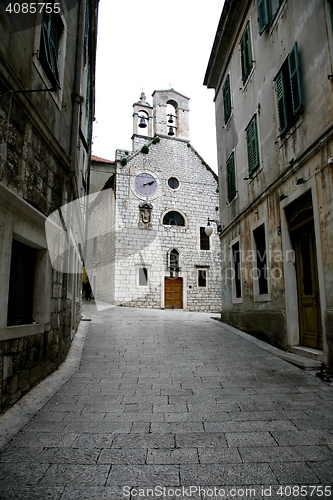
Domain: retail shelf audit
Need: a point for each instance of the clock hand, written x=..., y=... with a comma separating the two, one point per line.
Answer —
x=148, y=183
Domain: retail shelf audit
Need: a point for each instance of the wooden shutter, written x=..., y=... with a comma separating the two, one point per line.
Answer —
x=231, y=177
x=246, y=53
x=49, y=47
x=295, y=82
x=227, y=99
x=252, y=145
x=281, y=102
x=264, y=14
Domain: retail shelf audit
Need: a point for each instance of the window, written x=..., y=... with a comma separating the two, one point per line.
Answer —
x=246, y=53
x=173, y=182
x=173, y=219
x=21, y=285
x=227, y=99
x=288, y=91
x=231, y=177
x=49, y=46
x=204, y=240
x=174, y=259
x=252, y=145
x=143, y=276
x=237, y=275
x=266, y=12
x=202, y=278
x=261, y=273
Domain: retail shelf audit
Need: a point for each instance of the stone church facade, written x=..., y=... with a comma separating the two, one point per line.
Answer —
x=147, y=239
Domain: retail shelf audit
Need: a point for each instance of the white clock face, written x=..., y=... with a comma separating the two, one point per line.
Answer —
x=145, y=184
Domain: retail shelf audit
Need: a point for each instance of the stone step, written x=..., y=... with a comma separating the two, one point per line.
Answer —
x=307, y=352
x=300, y=361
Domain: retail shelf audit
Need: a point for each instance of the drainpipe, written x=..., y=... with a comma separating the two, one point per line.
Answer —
x=77, y=99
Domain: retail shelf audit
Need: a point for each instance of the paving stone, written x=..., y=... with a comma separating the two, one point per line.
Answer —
x=140, y=428
x=323, y=470
x=176, y=427
x=139, y=407
x=21, y=474
x=249, y=425
x=173, y=456
x=294, y=473
x=144, y=441
x=123, y=456
x=18, y=454
x=285, y=453
x=213, y=456
x=197, y=416
x=48, y=426
x=98, y=441
x=62, y=474
x=129, y=417
x=144, y=475
x=200, y=439
x=311, y=437
x=31, y=493
x=45, y=439
x=226, y=474
x=250, y=439
x=75, y=492
x=178, y=408
x=69, y=456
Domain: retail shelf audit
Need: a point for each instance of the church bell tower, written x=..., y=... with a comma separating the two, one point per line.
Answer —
x=168, y=117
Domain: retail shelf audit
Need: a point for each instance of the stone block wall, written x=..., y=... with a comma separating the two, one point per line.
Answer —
x=196, y=199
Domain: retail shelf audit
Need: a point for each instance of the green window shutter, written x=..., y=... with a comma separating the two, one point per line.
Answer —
x=281, y=102
x=49, y=47
x=295, y=81
x=246, y=53
x=231, y=177
x=252, y=145
x=227, y=99
x=264, y=14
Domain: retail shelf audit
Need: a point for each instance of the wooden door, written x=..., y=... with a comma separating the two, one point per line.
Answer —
x=307, y=286
x=173, y=293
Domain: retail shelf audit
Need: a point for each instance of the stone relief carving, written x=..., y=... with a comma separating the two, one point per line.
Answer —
x=145, y=218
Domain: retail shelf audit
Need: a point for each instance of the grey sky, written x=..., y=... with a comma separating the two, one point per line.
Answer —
x=145, y=46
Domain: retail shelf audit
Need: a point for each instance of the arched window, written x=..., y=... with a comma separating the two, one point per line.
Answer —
x=174, y=258
x=171, y=114
x=143, y=119
x=173, y=218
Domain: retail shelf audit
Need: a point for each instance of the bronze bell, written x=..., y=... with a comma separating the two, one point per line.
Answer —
x=170, y=119
x=142, y=123
x=171, y=132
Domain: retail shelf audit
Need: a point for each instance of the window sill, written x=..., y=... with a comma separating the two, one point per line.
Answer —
x=247, y=81
x=227, y=123
x=290, y=131
x=233, y=200
x=19, y=331
x=255, y=173
x=262, y=298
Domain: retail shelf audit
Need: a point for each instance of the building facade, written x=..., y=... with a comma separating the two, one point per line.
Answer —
x=271, y=68
x=148, y=245
x=46, y=110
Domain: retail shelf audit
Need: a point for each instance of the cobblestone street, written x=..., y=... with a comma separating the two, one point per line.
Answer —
x=172, y=404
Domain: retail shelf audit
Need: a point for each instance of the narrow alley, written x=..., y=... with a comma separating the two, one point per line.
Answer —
x=174, y=404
